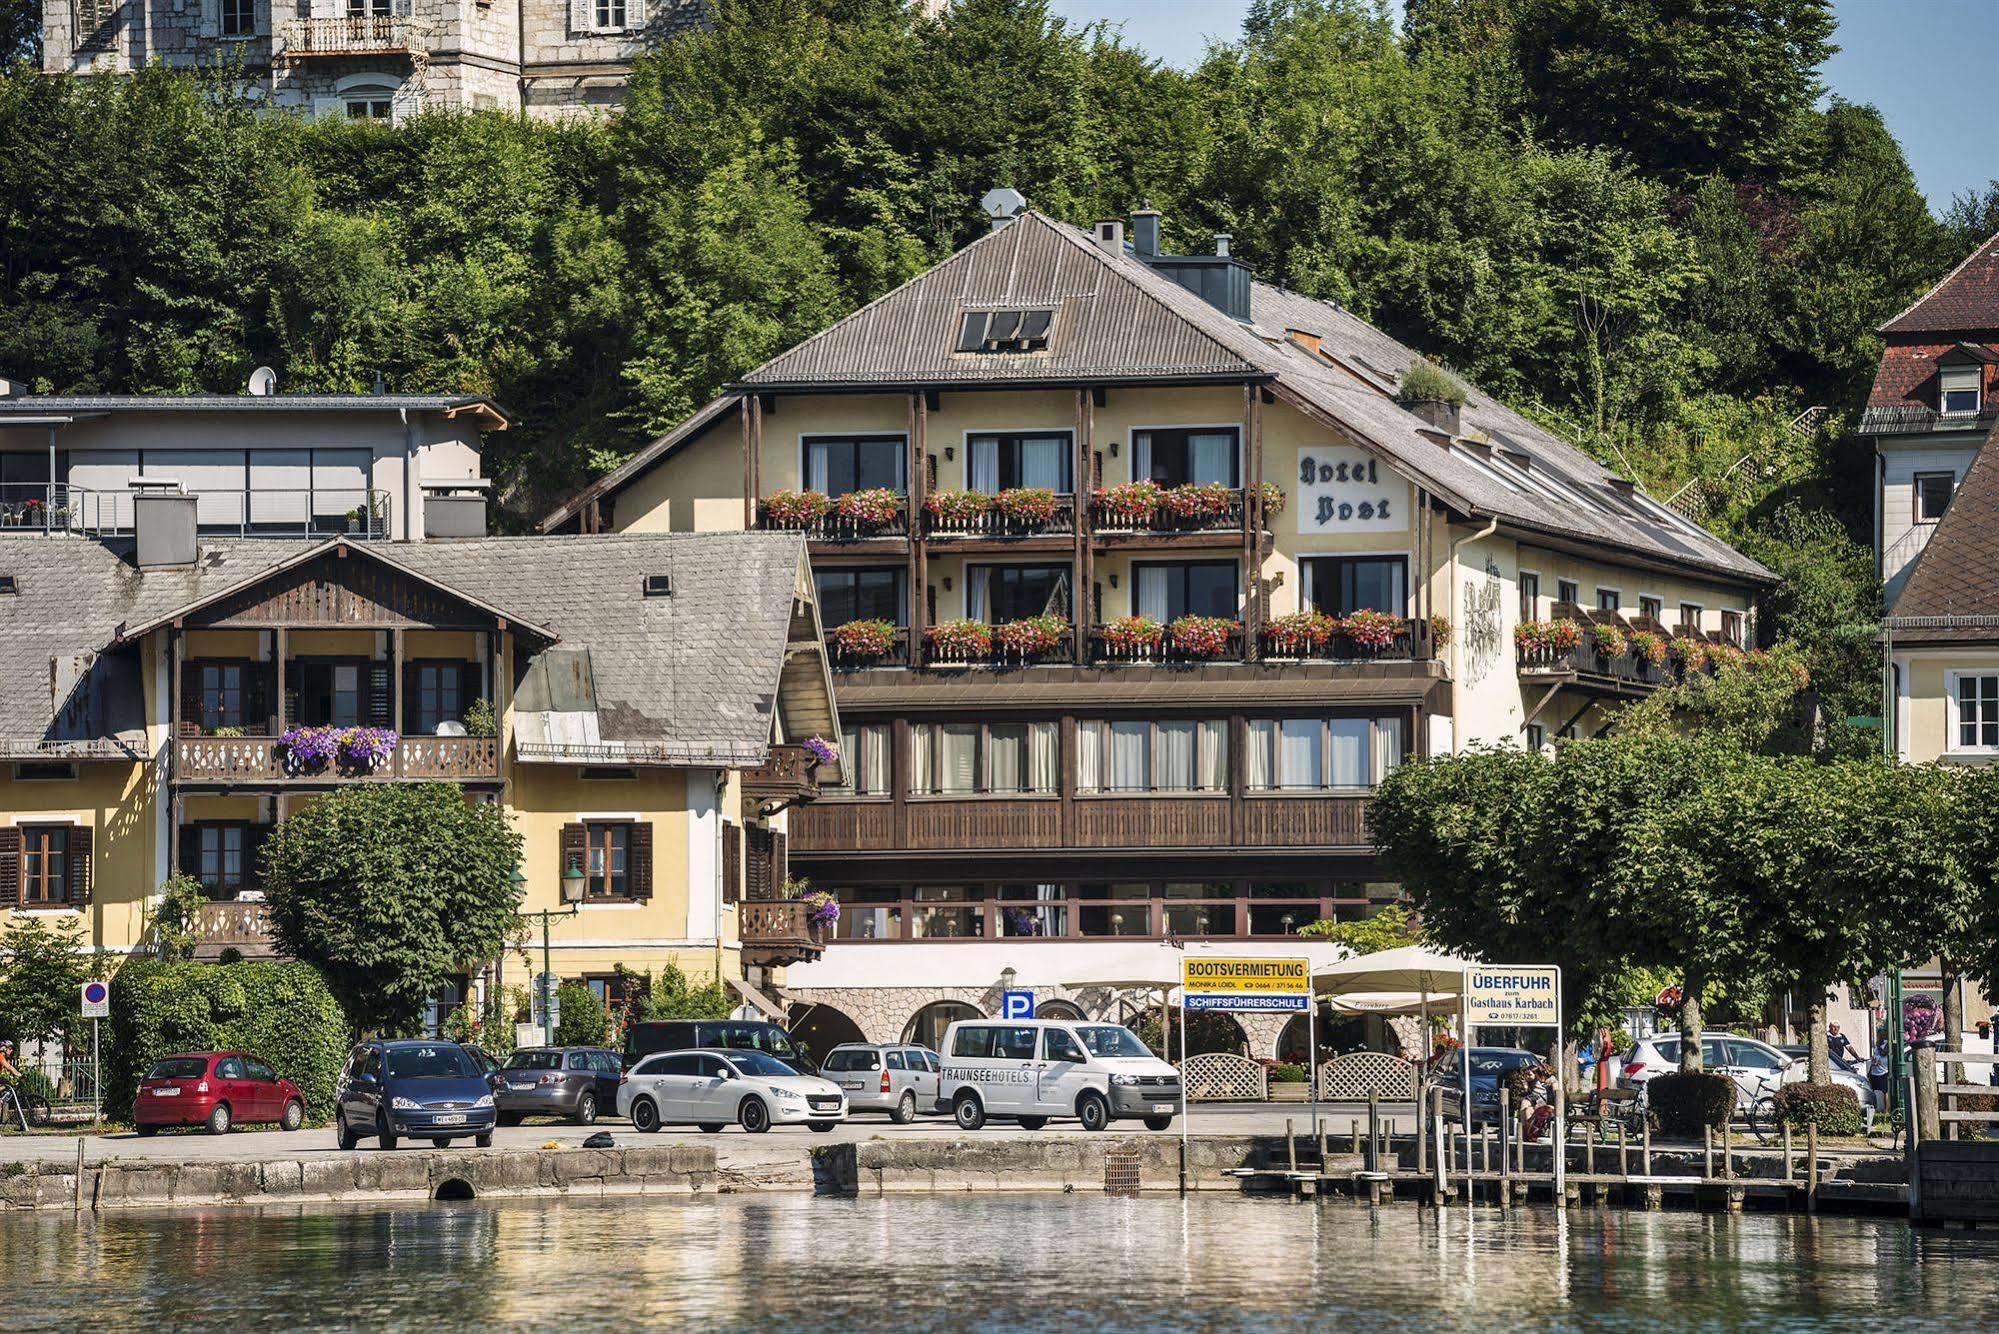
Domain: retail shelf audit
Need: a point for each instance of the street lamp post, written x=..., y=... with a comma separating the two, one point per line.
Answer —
x=572, y=899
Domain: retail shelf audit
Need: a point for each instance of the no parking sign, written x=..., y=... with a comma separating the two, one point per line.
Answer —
x=96, y=1000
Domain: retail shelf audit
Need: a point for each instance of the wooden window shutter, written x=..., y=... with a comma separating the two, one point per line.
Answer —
x=190, y=851
x=10, y=868
x=381, y=698
x=638, y=860
x=410, y=707
x=190, y=699
x=76, y=864
x=777, y=864
x=757, y=884
x=570, y=851
x=732, y=863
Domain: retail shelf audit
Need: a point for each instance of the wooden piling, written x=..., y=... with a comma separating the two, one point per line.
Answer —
x=1354, y=1126
x=1811, y=1167
x=1623, y=1149
x=1589, y=1147
x=1505, y=1130
x=1373, y=1132
x=1647, y=1131
x=1784, y=1128
x=1707, y=1153
x=1290, y=1145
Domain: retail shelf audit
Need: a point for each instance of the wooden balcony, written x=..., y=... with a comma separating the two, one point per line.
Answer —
x=776, y=932
x=845, y=660
x=1048, y=824
x=1162, y=520
x=999, y=655
x=242, y=925
x=1414, y=642
x=344, y=36
x=789, y=775
x=1162, y=650
x=258, y=761
x=835, y=527
x=994, y=525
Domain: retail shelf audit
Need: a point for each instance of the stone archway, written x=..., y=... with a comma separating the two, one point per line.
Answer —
x=926, y=1027
x=817, y=1029
x=1058, y=1009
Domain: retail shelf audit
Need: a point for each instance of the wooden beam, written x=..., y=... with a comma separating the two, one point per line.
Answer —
x=749, y=463
x=1082, y=559
x=1252, y=517
x=919, y=549
x=278, y=656
x=396, y=700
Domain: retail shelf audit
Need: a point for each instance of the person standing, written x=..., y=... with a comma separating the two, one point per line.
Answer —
x=1839, y=1044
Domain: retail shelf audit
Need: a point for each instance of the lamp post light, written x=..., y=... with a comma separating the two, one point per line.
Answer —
x=572, y=899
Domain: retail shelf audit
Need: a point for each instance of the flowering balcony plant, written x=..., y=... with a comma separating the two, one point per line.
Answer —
x=956, y=506
x=1690, y=653
x=821, y=908
x=1441, y=631
x=310, y=748
x=865, y=639
x=1031, y=635
x=1127, y=502
x=876, y=507
x=1609, y=641
x=1132, y=634
x=1202, y=636
x=1029, y=506
x=1533, y=637
x=796, y=509
x=821, y=750
x=1726, y=658
x=1300, y=631
x=1648, y=647
x=961, y=639
x=1197, y=500
x=1372, y=629
x=1272, y=496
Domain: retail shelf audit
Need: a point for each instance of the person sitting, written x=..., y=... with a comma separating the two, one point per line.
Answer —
x=1537, y=1101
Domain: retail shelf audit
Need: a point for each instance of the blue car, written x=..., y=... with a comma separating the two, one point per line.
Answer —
x=1489, y=1065
x=423, y=1088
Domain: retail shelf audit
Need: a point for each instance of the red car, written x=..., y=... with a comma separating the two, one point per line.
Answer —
x=217, y=1089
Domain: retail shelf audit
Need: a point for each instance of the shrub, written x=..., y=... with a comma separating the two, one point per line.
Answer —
x=283, y=1012
x=1833, y=1108
x=1685, y=1104
x=480, y=719
x=1426, y=382
x=1285, y=1072
x=583, y=1021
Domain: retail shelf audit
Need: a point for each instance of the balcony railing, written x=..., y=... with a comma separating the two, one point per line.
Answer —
x=849, y=660
x=790, y=774
x=776, y=932
x=1163, y=650
x=1107, y=517
x=1414, y=641
x=1586, y=659
x=39, y=507
x=345, y=35
x=256, y=759
x=999, y=655
x=834, y=526
x=243, y=925
x=993, y=522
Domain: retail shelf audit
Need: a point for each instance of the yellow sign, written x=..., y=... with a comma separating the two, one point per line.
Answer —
x=1210, y=983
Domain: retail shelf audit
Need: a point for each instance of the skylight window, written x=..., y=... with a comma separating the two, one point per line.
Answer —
x=1005, y=330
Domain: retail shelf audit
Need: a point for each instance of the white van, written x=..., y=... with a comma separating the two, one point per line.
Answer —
x=1031, y=1069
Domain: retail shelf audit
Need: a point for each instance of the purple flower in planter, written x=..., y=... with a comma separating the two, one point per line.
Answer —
x=308, y=748
x=368, y=745
x=821, y=908
x=822, y=750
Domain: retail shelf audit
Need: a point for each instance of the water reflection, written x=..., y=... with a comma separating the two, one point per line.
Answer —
x=990, y=1262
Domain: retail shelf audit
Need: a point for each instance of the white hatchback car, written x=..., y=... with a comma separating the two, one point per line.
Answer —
x=710, y=1089
x=1756, y=1067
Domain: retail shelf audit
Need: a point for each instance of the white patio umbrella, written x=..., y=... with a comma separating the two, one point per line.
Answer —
x=1411, y=968
x=1387, y=1003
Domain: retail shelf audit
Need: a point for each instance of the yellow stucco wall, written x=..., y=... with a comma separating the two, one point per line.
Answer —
x=116, y=800
x=1923, y=709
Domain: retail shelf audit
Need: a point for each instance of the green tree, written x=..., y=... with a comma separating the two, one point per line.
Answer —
x=584, y=1022
x=1390, y=928
x=387, y=888
x=42, y=966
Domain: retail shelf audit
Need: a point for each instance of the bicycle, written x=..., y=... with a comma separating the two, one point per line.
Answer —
x=26, y=1109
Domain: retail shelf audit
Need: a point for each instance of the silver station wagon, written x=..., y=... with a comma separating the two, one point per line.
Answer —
x=901, y=1080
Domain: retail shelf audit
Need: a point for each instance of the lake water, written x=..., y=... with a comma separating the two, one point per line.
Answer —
x=1078, y=1262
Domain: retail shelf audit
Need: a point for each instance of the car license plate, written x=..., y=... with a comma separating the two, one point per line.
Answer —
x=521, y=1088
x=166, y=1093
x=449, y=1119
x=1161, y=1108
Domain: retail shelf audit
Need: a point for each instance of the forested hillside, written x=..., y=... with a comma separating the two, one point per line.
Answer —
x=1640, y=219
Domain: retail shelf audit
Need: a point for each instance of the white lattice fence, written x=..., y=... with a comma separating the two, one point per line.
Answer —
x=1223, y=1076
x=1350, y=1078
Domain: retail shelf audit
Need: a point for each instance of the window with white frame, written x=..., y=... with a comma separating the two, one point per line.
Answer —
x=1316, y=754
x=373, y=104
x=1975, y=701
x=1144, y=755
x=964, y=759
x=864, y=752
x=609, y=15
x=1959, y=389
x=1933, y=492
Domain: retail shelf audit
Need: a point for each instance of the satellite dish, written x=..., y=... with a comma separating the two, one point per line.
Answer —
x=263, y=382
x=1003, y=203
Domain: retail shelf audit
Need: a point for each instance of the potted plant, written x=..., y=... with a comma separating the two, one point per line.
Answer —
x=821, y=750
x=821, y=908
x=1202, y=636
x=1196, y=501
x=1028, y=506
x=875, y=508
x=1288, y=1082
x=795, y=510
x=865, y=639
x=1131, y=634
x=1609, y=640
x=1127, y=503
x=1031, y=636
x=960, y=640
x=1648, y=647
x=366, y=747
x=1372, y=630
x=1689, y=653
x=1272, y=496
x=1441, y=631
x=956, y=508
x=1298, y=633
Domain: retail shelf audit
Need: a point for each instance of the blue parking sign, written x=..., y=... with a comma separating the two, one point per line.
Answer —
x=1016, y=1005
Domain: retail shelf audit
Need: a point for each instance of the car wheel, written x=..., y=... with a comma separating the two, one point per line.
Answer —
x=1158, y=1122
x=510, y=1118
x=343, y=1136
x=147, y=1132
x=821, y=1127
x=905, y=1109
x=440, y=1141
x=753, y=1116
x=1092, y=1110
x=645, y=1116
x=294, y=1115
x=383, y=1135
x=711, y=1127
x=586, y=1109
x=969, y=1112
x=1032, y=1122
x=484, y=1141
x=218, y=1120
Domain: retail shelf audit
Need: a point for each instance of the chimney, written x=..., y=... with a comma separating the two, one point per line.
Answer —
x=1222, y=240
x=1145, y=232
x=163, y=521
x=455, y=509
x=1109, y=234
x=1439, y=412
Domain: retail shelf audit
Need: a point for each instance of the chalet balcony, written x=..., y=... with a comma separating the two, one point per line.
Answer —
x=1413, y=641
x=242, y=925
x=876, y=516
x=1110, y=646
x=1143, y=510
x=1013, y=644
x=994, y=521
x=860, y=653
x=776, y=932
x=346, y=35
x=789, y=775
x=258, y=761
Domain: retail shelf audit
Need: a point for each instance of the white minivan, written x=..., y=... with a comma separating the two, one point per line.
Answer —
x=1029, y=1070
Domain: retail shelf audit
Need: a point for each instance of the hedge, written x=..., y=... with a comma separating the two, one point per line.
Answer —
x=282, y=1012
x=1834, y=1108
x=583, y=1020
x=1686, y=1104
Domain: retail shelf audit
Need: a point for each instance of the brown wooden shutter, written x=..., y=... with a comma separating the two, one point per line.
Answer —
x=76, y=864
x=10, y=868
x=381, y=698
x=570, y=851
x=190, y=851
x=638, y=865
x=732, y=863
x=190, y=699
x=777, y=864
x=757, y=884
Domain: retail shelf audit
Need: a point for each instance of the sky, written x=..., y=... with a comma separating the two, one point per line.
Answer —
x=1928, y=65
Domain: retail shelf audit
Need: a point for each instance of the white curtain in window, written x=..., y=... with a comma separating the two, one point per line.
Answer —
x=1388, y=744
x=960, y=768
x=1141, y=457
x=1350, y=767
x=1089, y=756
x=1128, y=754
x=872, y=762
x=816, y=476
x=1149, y=584
x=1173, y=764
x=1211, y=458
x=978, y=591
x=1262, y=754
x=850, y=751
x=1298, y=760
x=1041, y=463
x=983, y=464
x=1214, y=757
x=923, y=758
x=1008, y=748
x=1043, y=765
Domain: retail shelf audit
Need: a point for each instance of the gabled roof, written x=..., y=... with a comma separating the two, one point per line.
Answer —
x=1967, y=298
x=1120, y=321
x=1954, y=584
